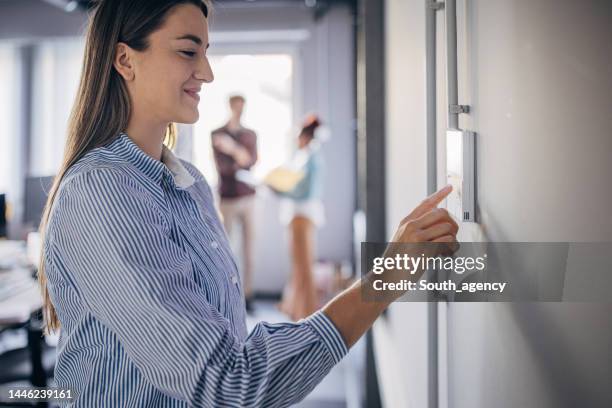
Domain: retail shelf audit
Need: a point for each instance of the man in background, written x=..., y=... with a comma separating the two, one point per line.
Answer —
x=235, y=148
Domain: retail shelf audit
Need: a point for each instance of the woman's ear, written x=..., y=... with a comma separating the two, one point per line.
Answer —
x=123, y=61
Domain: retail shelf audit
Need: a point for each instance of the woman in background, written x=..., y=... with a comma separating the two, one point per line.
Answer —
x=302, y=210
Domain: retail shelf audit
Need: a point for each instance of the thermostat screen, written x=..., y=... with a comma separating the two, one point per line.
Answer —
x=454, y=171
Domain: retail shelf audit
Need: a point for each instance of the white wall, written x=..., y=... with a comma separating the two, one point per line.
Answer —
x=401, y=341
x=538, y=76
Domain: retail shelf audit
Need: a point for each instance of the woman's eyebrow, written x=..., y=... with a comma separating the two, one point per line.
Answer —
x=191, y=37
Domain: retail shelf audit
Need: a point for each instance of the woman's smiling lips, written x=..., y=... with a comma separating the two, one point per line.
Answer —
x=193, y=92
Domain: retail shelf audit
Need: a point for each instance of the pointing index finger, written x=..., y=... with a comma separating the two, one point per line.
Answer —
x=437, y=197
x=431, y=202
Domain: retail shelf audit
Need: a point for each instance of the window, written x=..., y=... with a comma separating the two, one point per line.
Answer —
x=57, y=70
x=9, y=116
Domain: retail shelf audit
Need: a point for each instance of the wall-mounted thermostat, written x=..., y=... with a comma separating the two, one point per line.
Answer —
x=460, y=172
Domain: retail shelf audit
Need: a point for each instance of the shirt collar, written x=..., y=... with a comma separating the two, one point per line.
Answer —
x=181, y=177
x=169, y=167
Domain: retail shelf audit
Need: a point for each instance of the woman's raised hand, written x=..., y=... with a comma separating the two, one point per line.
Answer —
x=432, y=231
x=427, y=223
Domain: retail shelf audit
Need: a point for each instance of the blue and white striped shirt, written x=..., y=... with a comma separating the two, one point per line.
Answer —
x=149, y=298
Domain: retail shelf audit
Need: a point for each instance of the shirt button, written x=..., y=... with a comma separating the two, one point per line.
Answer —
x=234, y=279
x=214, y=244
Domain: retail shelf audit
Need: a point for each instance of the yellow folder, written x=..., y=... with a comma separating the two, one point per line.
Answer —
x=283, y=179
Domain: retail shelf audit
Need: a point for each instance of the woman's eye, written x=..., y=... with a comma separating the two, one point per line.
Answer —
x=189, y=53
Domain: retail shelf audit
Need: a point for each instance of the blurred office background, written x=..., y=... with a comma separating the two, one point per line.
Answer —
x=537, y=76
x=287, y=58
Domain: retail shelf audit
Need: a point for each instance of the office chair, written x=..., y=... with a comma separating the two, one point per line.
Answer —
x=32, y=364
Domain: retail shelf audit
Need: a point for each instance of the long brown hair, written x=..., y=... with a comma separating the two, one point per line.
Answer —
x=102, y=107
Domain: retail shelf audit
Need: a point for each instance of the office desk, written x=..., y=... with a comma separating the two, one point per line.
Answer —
x=18, y=308
x=21, y=310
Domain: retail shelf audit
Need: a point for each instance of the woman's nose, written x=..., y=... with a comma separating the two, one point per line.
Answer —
x=204, y=71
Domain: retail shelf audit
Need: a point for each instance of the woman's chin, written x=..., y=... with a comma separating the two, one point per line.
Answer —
x=189, y=117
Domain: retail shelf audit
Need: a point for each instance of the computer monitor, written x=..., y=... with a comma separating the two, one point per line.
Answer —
x=35, y=197
x=3, y=229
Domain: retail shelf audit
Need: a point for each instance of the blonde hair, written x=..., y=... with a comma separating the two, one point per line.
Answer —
x=102, y=107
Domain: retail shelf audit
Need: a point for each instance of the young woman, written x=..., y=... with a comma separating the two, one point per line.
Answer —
x=302, y=210
x=135, y=264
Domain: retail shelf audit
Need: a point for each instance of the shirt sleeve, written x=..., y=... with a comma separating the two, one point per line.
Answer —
x=249, y=142
x=139, y=283
x=226, y=165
